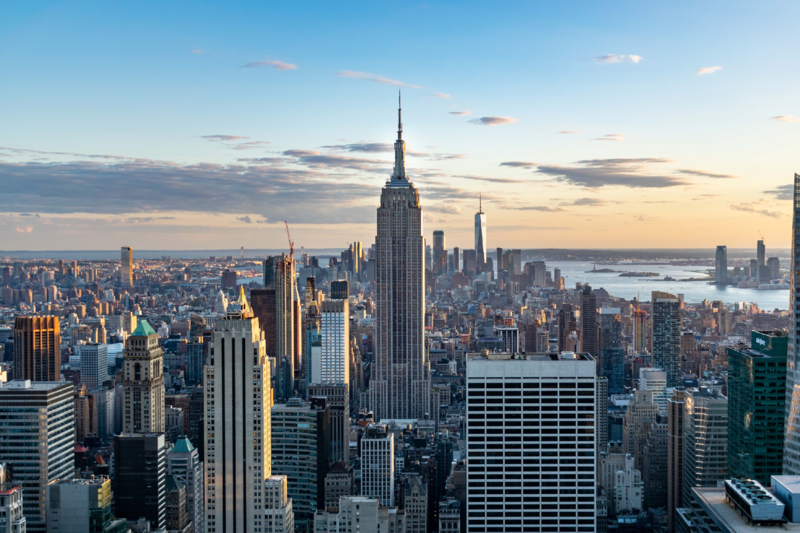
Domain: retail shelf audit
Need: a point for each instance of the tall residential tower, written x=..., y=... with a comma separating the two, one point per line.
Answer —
x=480, y=235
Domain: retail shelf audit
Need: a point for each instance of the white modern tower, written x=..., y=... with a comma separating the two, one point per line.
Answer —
x=531, y=442
x=333, y=363
x=400, y=386
x=480, y=234
x=237, y=432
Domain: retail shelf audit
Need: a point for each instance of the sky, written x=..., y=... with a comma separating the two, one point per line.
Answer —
x=206, y=125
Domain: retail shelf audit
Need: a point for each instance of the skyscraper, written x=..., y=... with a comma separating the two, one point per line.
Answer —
x=126, y=267
x=456, y=259
x=640, y=326
x=721, y=265
x=37, y=436
x=279, y=276
x=140, y=474
x=439, y=265
x=377, y=464
x=756, y=410
x=761, y=253
x=143, y=382
x=337, y=397
x=705, y=440
x=237, y=422
x=37, y=348
x=611, y=354
x=94, y=364
x=791, y=452
x=675, y=454
x=480, y=235
x=333, y=363
x=526, y=472
x=667, y=336
x=183, y=462
x=400, y=385
x=589, y=321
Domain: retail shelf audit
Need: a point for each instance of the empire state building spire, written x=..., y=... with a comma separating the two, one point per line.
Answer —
x=399, y=174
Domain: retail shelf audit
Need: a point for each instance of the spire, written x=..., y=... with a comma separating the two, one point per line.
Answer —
x=480, y=204
x=399, y=174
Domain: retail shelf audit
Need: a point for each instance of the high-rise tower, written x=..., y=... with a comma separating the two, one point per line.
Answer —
x=791, y=452
x=439, y=265
x=721, y=265
x=37, y=348
x=275, y=310
x=143, y=384
x=666, y=335
x=126, y=266
x=480, y=235
x=400, y=385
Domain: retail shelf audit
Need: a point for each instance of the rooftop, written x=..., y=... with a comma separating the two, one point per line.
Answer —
x=143, y=329
x=714, y=501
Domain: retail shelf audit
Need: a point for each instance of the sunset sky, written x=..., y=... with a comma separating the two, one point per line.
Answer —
x=205, y=125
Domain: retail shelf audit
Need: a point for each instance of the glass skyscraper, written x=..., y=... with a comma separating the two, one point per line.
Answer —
x=756, y=407
x=791, y=452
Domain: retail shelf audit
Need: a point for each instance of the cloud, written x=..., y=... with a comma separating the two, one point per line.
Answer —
x=29, y=215
x=519, y=164
x=614, y=58
x=250, y=145
x=545, y=208
x=782, y=192
x=707, y=70
x=492, y=180
x=274, y=63
x=596, y=173
x=441, y=95
x=263, y=221
x=245, y=219
x=446, y=157
x=611, y=137
x=586, y=202
x=704, y=174
x=223, y=138
x=198, y=52
x=567, y=132
x=492, y=121
x=750, y=208
x=445, y=209
x=363, y=147
x=786, y=118
x=315, y=159
x=376, y=78
x=460, y=113
x=26, y=229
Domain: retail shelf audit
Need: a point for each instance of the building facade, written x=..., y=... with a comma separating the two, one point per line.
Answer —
x=126, y=266
x=705, y=439
x=94, y=364
x=400, y=385
x=37, y=348
x=378, y=464
x=143, y=382
x=531, y=418
x=666, y=336
x=140, y=477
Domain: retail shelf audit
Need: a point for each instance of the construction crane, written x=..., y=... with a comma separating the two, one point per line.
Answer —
x=291, y=242
x=759, y=234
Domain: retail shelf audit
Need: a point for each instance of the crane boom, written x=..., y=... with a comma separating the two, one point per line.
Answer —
x=291, y=242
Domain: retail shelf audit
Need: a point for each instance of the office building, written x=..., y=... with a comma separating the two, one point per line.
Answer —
x=228, y=280
x=756, y=408
x=705, y=439
x=82, y=505
x=278, y=511
x=37, y=437
x=674, y=454
x=538, y=272
x=791, y=451
x=439, y=265
x=237, y=430
x=377, y=464
x=470, y=262
x=666, y=336
x=140, y=475
x=126, y=266
x=103, y=399
x=338, y=483
x=761, y=253
x=543, y=476
x=415, y=504
x=177, y=517
x=400, y=385
x=340, y=290
x=774, y=265
x=184, y=464
x=655, y=463
x=94, y=364
x=143, y=382
x=655, y=380
x=721, y=265
x=611, y=355
x=333, y=363
x=301, y=449
x=37, y=348
x=337, y=396
x=11, y=518
x=640, y=330
x=279, y=277
x=641, y=409
x=456, y=259
x=480, y=236
x=195, y=361
x=601, y=406
x=589, y=322
x=360, y=513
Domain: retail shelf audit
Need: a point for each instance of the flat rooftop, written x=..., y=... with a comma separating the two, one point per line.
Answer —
x=714, y=501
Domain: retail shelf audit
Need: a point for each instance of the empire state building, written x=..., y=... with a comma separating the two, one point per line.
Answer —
x=400, y=385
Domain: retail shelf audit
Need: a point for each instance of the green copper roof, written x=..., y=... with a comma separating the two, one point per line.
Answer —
x=182, y=445
x=173, y=483
x=143, y=329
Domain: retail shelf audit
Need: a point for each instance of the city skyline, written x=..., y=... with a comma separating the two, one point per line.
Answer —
x=198, y=136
